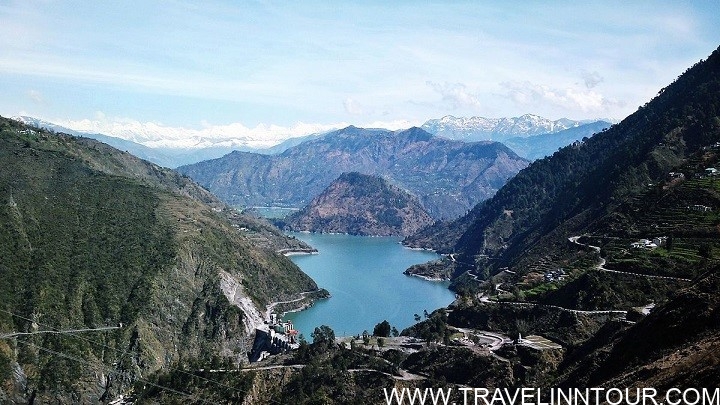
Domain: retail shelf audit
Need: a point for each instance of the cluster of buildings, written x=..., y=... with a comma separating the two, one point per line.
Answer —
x=284, y=328
x=555, y=275
x=700, y=208
x=650, y=243
x=716, y=145
x=280, y=337
x=709, y=172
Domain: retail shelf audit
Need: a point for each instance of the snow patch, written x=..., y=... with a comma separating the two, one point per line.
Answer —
x=496, y=128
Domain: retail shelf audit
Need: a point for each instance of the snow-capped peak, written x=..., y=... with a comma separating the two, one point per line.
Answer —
x=481, y=128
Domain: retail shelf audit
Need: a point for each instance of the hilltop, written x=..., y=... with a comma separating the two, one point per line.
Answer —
x=448, y=176
x=360, y=204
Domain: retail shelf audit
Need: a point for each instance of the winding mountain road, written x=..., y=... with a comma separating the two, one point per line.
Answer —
x=272, y=305
x=601, y=265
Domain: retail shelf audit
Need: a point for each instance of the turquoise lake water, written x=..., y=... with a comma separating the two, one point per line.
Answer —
x=366, y=280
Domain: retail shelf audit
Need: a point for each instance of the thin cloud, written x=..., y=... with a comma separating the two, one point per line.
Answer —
x=456, y=94
x=153, y=134
x=392, y=125
x=175, y=83
x=35, y=96
x=592, y=79
x=588, y=101
x=352, y=107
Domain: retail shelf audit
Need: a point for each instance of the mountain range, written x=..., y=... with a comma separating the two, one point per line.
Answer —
x=153, y=148
x=542, y=145
x=472, y=129
x=447, y=176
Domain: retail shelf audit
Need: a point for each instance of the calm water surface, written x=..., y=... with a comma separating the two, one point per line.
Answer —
x=366, y=280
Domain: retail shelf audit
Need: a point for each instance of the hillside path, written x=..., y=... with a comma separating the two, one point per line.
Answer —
x=272, y=305
x=601, y=265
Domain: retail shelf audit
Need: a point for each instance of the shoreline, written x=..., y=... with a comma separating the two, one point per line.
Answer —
x=299, y=309
x=306, y=302
x=427, y=278
x=297, y=251
x=421, y=249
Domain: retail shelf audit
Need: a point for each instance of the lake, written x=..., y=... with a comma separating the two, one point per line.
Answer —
x=365, y=277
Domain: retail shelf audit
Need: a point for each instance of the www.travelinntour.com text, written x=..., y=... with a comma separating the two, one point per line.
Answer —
x=551, y=396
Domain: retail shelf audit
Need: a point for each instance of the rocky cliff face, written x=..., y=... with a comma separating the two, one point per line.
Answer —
x=361, y=205
x=448, y=176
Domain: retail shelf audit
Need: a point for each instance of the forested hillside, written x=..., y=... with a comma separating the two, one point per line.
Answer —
x=625, y=222
x=147, y=268
x=591, y=180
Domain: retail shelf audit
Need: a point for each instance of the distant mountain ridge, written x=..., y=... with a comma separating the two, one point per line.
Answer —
x=510, y=131
x=163, y=155
x=141, y=151
x=539, y=146
x=359, y=204
x=448, y=176
x=496, y=129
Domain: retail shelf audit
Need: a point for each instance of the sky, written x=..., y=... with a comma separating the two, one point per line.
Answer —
x=266, y=70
